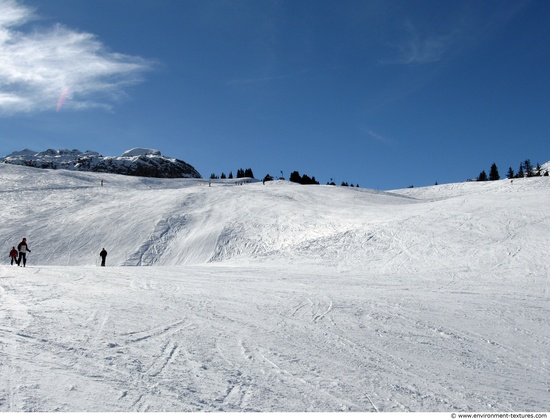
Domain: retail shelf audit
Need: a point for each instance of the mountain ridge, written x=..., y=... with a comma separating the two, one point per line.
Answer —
x=144, y=162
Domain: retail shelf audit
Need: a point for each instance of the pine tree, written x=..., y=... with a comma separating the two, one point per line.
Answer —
x=493, y=174
x=303, y=180
x=295, y=177
x=482, y=176
x=528, y=167
x=510, y=174
x=520, y=171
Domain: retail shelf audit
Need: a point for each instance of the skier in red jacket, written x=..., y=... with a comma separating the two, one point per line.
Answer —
x=13, y=255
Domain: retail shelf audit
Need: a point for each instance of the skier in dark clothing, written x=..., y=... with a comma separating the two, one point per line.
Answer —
x=103, y=255
x=23, y=249
x=13, y=255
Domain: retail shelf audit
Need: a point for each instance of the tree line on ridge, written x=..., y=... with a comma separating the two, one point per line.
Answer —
x=526, y=169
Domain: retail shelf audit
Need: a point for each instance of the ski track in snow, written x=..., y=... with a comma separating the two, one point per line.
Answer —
x=264, y=298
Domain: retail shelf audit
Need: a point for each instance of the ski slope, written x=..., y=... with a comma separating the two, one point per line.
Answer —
x=272, y=298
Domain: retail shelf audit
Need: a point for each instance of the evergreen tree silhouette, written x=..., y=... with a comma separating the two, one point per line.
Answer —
x=493, y=174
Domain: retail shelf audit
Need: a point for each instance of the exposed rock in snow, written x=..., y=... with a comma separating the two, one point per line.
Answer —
x=145, y=162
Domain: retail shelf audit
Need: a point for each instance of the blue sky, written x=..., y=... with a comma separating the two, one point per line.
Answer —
x=384, y=94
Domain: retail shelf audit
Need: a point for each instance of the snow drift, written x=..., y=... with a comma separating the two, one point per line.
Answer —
x=275, y=297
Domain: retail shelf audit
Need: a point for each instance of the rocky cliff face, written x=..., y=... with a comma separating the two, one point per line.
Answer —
x=135, y=162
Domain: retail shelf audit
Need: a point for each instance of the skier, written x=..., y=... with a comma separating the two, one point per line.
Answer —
x=23, y=249
x=103, y=255
x=13, y=255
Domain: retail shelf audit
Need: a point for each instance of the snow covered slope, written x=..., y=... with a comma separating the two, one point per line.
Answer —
x=275, y=297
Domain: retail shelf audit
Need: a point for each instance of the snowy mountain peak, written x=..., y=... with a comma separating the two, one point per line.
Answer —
x=145, y=162
x=136, y=152
x=25, y=152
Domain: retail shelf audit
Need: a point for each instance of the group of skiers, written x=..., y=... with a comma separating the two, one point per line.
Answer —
x=20, y=254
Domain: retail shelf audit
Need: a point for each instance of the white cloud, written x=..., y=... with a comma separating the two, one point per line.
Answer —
x=37, y=67
x=13, y=14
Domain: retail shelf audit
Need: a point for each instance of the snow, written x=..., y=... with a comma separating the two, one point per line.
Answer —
x=135, y=152
x=48, y=156
x=137, y=161
x=23, y=153
x=272, y=298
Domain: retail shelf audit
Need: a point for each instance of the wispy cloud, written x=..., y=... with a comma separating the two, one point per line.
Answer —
x=460, y=26
x=422, y=49
x=379, y=138
x=38, y=67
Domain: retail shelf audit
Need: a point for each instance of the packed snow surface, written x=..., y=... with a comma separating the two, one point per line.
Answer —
x=275, y=297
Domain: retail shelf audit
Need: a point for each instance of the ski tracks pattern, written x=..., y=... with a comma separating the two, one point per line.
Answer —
x=151, y=251
x=227, y=340
x=14, y=318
